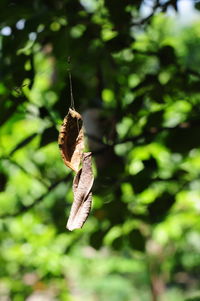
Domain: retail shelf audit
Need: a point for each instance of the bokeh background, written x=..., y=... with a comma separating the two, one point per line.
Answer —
x=136, y=80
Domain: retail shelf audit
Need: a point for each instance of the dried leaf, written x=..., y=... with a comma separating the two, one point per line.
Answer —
x=70, y=140
x=82, y=186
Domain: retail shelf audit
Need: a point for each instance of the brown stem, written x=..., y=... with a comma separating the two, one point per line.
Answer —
x=154, y=260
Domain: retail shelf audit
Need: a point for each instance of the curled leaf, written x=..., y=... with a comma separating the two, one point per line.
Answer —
x=82, y=186
x=70, y=140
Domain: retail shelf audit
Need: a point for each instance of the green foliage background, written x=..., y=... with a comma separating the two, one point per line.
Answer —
x=140, y=75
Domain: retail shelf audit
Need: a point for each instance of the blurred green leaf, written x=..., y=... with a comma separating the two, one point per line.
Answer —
x=23, y=143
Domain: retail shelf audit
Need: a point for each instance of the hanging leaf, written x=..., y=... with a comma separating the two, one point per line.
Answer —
x=23, y=143
x=82, y=186
x=70, y=140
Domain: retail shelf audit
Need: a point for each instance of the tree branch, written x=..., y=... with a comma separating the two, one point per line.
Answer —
x=38, y=178
x=157, y=5
x=146, y=133
x=23, y=208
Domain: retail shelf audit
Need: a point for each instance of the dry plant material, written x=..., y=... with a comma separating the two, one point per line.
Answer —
x=71, y=140
x=71, y=144
x=82, y=186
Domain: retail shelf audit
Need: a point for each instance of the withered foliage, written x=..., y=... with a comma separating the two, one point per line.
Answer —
x=71, y=140
x=82, y=186
x=71, y=144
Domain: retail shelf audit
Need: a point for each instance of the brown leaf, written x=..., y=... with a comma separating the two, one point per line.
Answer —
x=71, y=140
x=82, y=186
